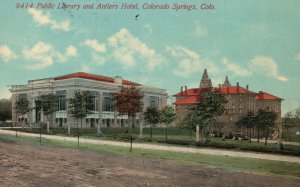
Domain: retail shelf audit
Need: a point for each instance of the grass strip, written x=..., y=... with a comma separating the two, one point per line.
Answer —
x=236, y=163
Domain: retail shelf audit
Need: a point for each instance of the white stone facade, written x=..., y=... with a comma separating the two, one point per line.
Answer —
x=100, y=87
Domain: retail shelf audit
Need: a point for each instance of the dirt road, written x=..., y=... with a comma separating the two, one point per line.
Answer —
x=30, y=165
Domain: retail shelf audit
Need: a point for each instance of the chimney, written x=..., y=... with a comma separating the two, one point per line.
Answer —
x=118, y=80
x=185, y=88
x=238, y=87
x=247, y=87
x=181, y=89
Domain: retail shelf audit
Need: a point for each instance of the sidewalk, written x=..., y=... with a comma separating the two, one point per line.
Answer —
x=220, y=152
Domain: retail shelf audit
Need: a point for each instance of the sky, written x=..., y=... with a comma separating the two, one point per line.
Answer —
x=254, y=42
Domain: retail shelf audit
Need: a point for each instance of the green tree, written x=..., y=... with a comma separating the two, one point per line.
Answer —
x=79, y=106
x=22, y=107
x=167, y=116
x=291, y=120
x=5, y=109
x=128, y=101
x=152, y=117
x=48, y=104
x=211, y=104
x=192, y=120
x=266, y=118
x=248, y=121
x=297, y=118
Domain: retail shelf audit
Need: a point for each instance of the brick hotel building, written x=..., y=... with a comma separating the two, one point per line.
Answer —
x=239, y=101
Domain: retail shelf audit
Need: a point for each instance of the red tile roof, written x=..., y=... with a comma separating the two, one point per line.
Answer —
x=266, y=96
x=94, y=77
x=234, y=90
x=187, y=100
x=193, y=94
x=189, y=92
x=223, y=90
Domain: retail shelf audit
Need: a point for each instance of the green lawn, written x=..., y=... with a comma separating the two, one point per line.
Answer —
x=157, y=133
x=178, y=136
x=244, y=164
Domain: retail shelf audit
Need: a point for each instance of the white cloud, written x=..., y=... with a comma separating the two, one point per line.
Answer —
x=235, y=69
x=267, y=66
x=298, y=56
x=6, y=53
x=44, y=19
x=71, y=51
x=41, y=52
x=95, y=45
x=200, y=30
x=189, y=62
x=45, y=54
x=127, y=49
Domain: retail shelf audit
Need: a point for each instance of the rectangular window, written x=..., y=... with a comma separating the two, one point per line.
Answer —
x=107, y=102
x=94, y=100
x=153, y=102
x=22, y=97
x=62, y=101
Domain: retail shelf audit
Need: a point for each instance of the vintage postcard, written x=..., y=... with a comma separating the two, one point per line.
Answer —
x=150, y=69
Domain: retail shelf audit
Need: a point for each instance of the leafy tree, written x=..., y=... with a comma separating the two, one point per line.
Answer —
x=248, y=121
x=191, y=121
x=128, y=101
x=152, y=117
x=297, y=118
x=167, y=116
x=79, y=106
x=5, y=109
x=288, y=122
x=266, y=118
x=259, y=128
x=49, y=104
x=211, y=104
x=22, y=107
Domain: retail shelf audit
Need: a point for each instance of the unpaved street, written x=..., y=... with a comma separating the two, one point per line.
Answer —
x=33, y=165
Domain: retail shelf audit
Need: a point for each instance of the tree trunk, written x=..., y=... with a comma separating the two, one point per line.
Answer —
x=258, y=135
x=288, y=134
x=22, y=121
x=69, y=128
x=130, y=121
x=266, y=138
x=166, y=132
x=141, y=130
x=81, y=123
x=197, y=133
x=250, y=136
x=206, y=134
x=99, y=130
x=48, y=125
x=151, y=131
